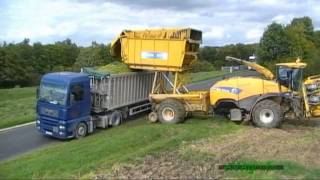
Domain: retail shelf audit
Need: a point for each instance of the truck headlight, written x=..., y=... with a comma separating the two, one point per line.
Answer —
x=38, y=122
x=61, y=127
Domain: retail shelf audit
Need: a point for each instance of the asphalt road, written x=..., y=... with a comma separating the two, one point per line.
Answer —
x=20, y=140
x=25, y=139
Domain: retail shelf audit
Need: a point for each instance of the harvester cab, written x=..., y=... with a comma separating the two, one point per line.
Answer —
x=290, y=75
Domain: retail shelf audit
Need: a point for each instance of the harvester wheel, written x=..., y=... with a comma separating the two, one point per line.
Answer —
x=171, y=111
x=267, y=114
x=81, y=130
x=153, y=117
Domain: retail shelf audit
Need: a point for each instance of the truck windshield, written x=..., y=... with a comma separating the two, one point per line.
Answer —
x=53, y=93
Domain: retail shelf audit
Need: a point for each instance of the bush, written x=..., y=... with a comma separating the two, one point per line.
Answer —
x=200, y=66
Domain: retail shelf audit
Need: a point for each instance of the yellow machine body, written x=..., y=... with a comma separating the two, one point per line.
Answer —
x=158, y=49
x=241, y=88
x=314, y=83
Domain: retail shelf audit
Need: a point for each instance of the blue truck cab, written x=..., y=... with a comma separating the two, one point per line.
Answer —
x=63, y=105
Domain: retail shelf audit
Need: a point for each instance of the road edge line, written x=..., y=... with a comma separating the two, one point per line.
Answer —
x=16, y=126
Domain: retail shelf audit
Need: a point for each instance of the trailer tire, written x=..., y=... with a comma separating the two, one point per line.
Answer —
x=153, y=117
x=171, y=111
x=116, y=118
x=81, y=130
x=267, y=114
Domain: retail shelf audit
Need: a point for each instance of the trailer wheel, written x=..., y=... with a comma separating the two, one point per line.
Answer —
x=116, y=118
x=267, y=114
x=81, y=130
x=171, y=111
x=153, y=117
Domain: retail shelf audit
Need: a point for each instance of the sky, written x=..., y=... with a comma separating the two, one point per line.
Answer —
x=83, y=21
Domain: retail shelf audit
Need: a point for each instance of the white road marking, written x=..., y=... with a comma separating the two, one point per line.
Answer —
x=17, y=126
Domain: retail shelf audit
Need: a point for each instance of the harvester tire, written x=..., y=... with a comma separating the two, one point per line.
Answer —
x=171, y=111
x=267, y=114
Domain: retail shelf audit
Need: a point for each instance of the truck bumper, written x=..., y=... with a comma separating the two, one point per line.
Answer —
x=58, y=128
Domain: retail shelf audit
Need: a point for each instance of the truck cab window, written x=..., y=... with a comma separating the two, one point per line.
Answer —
x=77, y=92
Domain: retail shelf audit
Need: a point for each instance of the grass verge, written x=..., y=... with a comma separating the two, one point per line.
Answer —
x=201, y=76
x=126, y=143
x=17, y=106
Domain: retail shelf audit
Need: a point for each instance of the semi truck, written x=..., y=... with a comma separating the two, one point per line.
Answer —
x=73, y=104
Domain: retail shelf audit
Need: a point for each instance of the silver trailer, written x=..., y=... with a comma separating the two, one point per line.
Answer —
x=114, y=97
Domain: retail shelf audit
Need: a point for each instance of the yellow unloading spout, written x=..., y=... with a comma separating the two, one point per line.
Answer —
x=158, y=49
x=262, y=70
x=115, y=47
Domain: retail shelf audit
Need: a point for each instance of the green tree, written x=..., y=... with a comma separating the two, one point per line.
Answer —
x=274, y=43
x=307, y=25
x=95, y=55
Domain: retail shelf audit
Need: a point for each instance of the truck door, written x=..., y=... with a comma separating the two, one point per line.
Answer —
x=79, y=101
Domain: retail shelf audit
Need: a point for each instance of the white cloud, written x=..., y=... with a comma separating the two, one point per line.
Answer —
x=229, y=21
x=215, y=33
x=254, y=34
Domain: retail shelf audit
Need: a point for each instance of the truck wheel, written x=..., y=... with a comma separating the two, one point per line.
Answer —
x=81, y=130
x=171, y=111
x=267, y=114
x=116, y=118
x=153, y=117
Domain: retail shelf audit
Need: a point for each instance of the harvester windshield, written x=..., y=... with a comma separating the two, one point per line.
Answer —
x=290, y=74
x=290, y=77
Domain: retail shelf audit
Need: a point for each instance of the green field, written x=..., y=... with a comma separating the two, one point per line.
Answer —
x=17, y=106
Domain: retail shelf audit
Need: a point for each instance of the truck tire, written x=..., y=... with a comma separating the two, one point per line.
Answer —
x=81, y=130
x=116, y=118
x=267, y=114
x=171, y=111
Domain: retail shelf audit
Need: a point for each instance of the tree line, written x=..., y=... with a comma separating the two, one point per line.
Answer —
x=23, y=63
x=285, y=43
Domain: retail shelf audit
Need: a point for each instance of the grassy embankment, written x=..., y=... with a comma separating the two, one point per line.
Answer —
x=17, y=105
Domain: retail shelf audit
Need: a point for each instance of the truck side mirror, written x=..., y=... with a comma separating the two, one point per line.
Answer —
x=37, y=93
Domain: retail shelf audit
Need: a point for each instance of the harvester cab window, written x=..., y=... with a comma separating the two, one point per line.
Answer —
x=77, y=93
x=290, y=77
